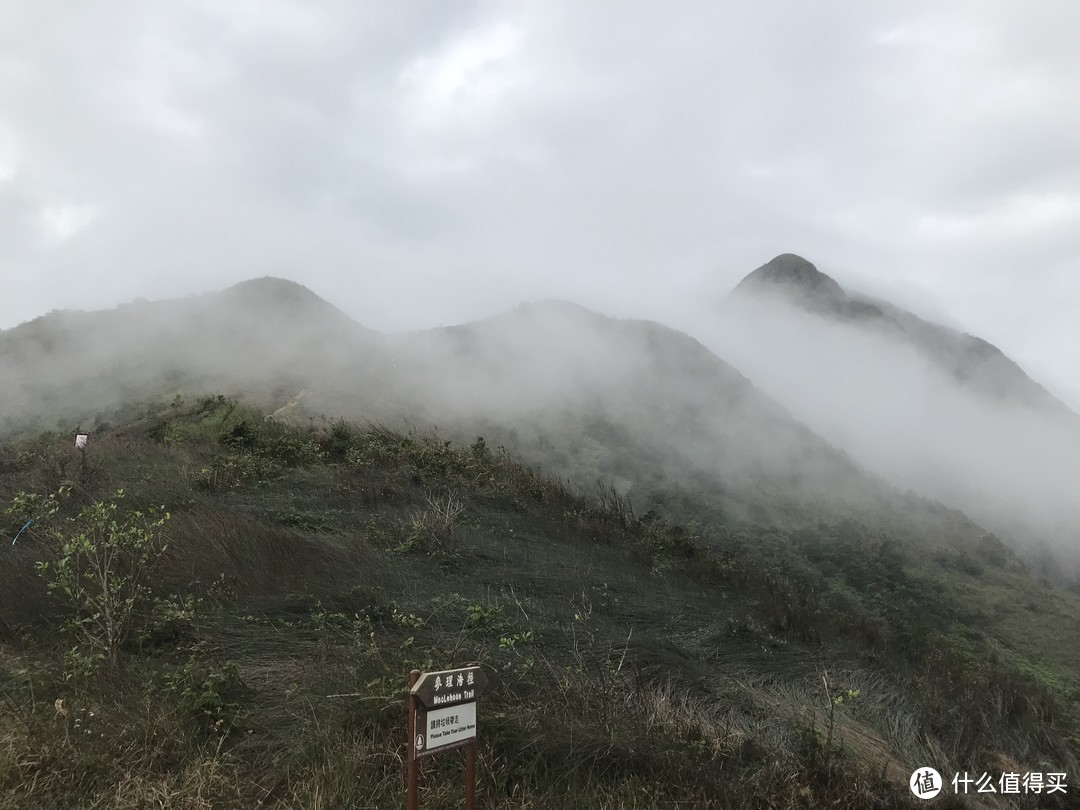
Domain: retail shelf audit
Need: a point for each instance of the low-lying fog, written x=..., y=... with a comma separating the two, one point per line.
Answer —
x=1009, y=466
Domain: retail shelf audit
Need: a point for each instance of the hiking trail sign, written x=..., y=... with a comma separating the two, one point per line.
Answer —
x=442, y=729
x=442, y=717
x=446, y=688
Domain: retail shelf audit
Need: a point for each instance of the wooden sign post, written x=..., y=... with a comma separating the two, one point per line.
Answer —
x=442, y=717
x=412, y=789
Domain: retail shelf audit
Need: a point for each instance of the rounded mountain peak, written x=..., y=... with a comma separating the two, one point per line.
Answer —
x=790, y=274
x=278, y=300
x=271, y=287
x=275, y=295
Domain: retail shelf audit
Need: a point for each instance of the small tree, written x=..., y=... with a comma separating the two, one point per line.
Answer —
x=103, y=560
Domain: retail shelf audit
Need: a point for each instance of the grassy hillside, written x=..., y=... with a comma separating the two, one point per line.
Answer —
x=631, y=662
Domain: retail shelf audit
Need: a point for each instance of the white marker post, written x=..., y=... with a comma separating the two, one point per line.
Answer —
x=80, y=444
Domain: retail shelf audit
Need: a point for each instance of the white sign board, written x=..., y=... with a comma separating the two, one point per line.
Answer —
x=448, y=686
x=80, y=439
x=446, y=728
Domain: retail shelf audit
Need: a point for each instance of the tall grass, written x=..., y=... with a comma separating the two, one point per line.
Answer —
x=631, y=662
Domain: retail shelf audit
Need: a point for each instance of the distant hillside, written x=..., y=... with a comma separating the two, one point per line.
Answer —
x=641, y=401
x=585, y=395
x=926, y=407
x=261, y=336
x=969, y=359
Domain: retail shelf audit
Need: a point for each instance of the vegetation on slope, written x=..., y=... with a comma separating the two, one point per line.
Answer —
x=631, y=662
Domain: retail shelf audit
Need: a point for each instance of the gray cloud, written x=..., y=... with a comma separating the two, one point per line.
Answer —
x=419, y=163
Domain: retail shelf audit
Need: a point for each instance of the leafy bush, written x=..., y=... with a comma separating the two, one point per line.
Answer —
x=202, y=689
x=233, y=472
x=376, y=448
x=291, y=451
x=102, y=563
x=661, y=542
x=339, y=440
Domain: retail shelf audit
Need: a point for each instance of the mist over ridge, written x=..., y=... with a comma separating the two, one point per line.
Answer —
x=930, y=408
x=971, y=360
x=882, y=393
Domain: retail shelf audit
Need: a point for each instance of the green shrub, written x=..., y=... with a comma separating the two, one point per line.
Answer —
x=234, y=472
x=202, y=689
x=337, y=443
x=102, y=563
x=291, y=451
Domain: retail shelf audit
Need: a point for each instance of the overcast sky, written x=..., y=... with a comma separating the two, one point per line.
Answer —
x=424, y=163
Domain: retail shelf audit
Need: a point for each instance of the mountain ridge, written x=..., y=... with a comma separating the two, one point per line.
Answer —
x=257, y=332
x=969, y=359
x=553, y=366
x=627, y=390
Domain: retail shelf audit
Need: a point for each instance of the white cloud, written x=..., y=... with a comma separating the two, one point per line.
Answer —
x=61, y=221
x=467, y=156
x=467, y=77
x=1024, y=215
x=9, y=154
x=269, y=18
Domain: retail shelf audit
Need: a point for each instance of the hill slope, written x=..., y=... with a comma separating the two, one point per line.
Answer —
x=631, y=664
x=647, y=402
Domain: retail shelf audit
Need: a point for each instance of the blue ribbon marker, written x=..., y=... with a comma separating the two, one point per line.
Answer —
x=23, y=529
